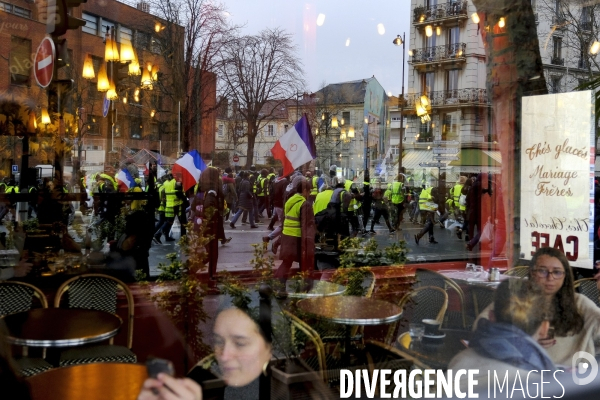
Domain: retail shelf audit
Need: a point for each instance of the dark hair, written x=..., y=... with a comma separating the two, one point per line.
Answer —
x=210, y=179
x=566, y=318
x=521, y=303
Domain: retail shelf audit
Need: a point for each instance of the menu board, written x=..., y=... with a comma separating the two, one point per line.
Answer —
x=557, y=175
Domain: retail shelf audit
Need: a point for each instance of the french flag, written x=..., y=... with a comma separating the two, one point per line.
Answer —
x=296, y=147
x=189, y=168
x=124, y=180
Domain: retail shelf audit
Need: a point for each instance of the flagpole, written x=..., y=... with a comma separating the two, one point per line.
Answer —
x=178, y=128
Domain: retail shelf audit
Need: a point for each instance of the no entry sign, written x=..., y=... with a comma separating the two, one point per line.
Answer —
x=236, y=159
x=44, y=62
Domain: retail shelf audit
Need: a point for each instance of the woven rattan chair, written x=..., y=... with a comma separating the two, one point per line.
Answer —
x=97, y=292
x=519, y=271
x=453, y=319
x=427, y=302
x=18, y=297
x=483, y=296
x=588, y=288
x=322, y=362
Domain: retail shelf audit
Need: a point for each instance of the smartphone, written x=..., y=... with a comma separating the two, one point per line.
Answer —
x=155, y=366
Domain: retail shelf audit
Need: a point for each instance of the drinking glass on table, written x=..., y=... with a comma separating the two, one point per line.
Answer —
x=470, y=267
x=416, y=332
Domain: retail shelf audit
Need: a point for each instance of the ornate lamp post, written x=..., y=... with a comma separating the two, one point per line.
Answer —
x=399, y=41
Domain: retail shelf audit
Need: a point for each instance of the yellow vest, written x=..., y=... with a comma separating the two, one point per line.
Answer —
x=110, y=179
x=291, y=223
x=456, y=191
x=314, y=189
x=171, y=194
x=353, y=202
x=322, y=200
x=12, y=189
x=397, y=194
x=424, y=198
x=161, y=195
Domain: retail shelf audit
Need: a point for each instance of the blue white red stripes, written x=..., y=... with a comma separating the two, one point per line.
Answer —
x=188, y=168
x=296, y=147
x=124, y=180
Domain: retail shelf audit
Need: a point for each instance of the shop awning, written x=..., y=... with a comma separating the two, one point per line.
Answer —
x=412, y=158
x=472, y=161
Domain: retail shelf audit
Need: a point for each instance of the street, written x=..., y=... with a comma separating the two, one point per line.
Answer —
x=236, y=255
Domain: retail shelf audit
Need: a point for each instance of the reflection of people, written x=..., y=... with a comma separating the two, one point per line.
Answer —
x=242, y=352
x=575, y=318
x=508, y=344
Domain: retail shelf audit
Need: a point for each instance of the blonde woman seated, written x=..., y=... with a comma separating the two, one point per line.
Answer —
x=508, y=342
x=575, y=323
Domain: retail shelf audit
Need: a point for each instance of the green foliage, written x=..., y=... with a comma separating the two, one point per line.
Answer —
x=355, y=253
x=30, y=225
x=112, y=231
x=173, y=271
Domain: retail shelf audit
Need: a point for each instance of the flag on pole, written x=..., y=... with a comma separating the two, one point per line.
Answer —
x=160, y=171
x=124, y=180
x=189, y=168
x=296, y=147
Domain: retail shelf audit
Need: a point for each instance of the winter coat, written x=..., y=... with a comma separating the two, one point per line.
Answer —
x=245, y=195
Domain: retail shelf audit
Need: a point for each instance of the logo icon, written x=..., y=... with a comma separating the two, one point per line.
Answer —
x=584, y=368
x=293, y=147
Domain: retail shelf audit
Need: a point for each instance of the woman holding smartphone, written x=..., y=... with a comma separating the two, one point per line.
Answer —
x=575, y=319
x=242, y=352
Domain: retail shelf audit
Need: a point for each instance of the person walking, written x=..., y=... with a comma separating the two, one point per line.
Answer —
x=279, y=188
x=397, y=194
x=367, y=200
x=427, y=205
x=380, y=205
x=298, y=235
x=245, y=201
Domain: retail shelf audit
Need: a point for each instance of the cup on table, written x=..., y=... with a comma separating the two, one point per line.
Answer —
x=432, y=327
x=470, y=267
x=479, y=268
x=416, y=332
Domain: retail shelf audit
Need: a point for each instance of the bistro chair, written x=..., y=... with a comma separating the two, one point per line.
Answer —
x=519, y=271
x=588, y=288
x=18, y=297
x=483, y=296
x=97, y=292
x=402, y=356
x=452, y=319
x=427, y=302
x=322, y=361
x=337, y=333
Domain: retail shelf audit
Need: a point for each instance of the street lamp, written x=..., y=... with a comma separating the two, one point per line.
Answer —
x=399, y=41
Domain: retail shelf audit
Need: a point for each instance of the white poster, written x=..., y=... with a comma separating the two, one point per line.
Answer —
x=557, y=175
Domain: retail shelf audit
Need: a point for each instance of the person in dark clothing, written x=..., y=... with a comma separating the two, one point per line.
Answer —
x=367, y=199
x=245, y=200
x=381, y=210
x=279, y=188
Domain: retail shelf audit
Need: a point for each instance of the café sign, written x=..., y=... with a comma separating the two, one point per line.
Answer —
x=557, y=175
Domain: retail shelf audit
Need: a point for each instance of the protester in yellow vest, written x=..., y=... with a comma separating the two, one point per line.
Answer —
x=397, y=199
x=427, y=205
x=298, y=236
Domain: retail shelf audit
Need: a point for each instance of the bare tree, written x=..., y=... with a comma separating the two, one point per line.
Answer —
x=258, y=69
x=193, y=57
x=568, y=29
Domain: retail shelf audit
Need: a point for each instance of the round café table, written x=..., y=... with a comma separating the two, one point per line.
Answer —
x=60, y=327
x=308, y=288
x=89, y=381
x=435, y=353
x=351, y=310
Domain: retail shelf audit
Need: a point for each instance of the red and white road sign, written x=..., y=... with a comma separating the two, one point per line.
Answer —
x=236, y=158
x=44, y=62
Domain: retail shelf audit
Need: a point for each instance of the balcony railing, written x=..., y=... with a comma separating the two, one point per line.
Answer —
x=586, y=25
x=454, y=97
x=447, y=52
x=557, y=61
x=559, y=21
x=436, y=12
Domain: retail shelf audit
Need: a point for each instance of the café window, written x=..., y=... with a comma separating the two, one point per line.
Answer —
x=136, y=128
x=20, y=61
x=91, y=23
x=93, y=125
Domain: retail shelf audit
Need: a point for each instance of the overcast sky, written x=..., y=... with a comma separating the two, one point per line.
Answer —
x=347, y=46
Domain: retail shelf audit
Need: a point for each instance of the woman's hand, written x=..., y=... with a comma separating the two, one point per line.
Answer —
x=168, y=388
x=547, y=343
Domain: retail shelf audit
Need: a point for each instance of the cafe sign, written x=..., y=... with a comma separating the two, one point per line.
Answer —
x=557, y=175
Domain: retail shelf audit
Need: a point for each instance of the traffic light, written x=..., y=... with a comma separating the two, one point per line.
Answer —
x=56, y=15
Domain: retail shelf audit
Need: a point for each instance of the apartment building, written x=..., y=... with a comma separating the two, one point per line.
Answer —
x=78, y=119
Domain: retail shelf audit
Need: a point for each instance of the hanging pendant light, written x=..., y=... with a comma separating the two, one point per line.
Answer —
x=88, y=68
x=45, y=116
x=334, y=122
x=103, y=83
x=126, y=52
x=111, y=53
x=428, y=30
x=134, y=66
x=351, y=132
x=111, y=94
x=146, y=80
x=154, y=73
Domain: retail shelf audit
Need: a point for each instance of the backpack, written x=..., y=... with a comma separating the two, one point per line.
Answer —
x=225, y=189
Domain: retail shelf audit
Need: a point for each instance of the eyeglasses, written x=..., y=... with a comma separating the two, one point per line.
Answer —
x=543, y=273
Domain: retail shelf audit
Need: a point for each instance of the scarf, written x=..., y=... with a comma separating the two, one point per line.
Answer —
x=509, y=344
